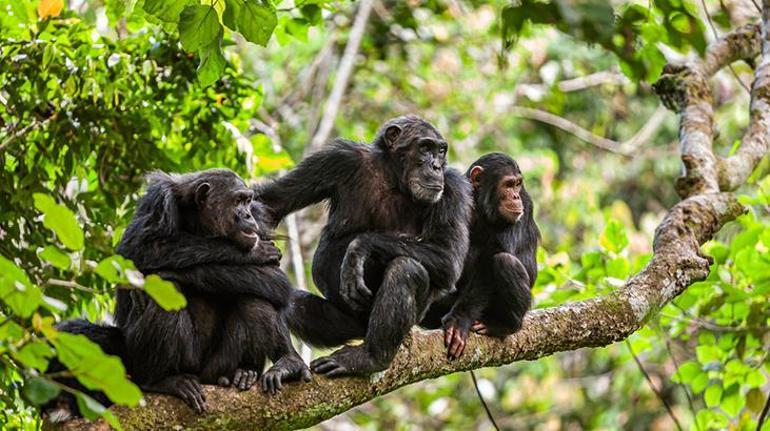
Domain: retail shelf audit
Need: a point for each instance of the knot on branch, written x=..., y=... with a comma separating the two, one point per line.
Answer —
x=680, y=86
x=745, y=43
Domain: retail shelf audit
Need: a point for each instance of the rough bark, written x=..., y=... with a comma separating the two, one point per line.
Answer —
x=677, y=262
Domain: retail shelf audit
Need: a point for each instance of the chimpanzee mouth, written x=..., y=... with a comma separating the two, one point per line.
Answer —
x=250, y=234
x=432, y=187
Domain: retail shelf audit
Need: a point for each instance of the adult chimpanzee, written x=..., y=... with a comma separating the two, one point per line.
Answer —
x=395, y=240
x=199, y=231
x=493, y=293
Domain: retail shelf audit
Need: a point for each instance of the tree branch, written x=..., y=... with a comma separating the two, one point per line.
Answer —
x=343, y=74
x=677, y=262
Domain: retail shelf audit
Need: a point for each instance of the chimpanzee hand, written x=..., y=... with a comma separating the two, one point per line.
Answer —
x=352, y=286
x=290, y=367
x=267, y=253
x=456, y=329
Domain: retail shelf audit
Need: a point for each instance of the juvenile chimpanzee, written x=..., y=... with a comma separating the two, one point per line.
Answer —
x=395, y=240
x=494, y=291
x=199, y=231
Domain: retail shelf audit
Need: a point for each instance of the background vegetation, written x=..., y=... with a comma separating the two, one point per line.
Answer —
x=95, y=93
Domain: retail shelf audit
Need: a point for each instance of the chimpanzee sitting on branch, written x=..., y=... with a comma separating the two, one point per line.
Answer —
x=395, y=240
x=493, y=293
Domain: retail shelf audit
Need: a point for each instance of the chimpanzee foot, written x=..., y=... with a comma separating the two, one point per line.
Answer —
x=183, y=386
x=290, y=367
x=348, y=361
x=491, y=330
x=245, y=379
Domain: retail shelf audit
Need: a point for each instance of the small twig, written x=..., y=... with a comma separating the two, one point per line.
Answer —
x=623, y=148
x=667, y=339
x=343, y=74
x=652, y=386
x=716, y=36
x=70, y=284
x=483, y=402
x=34, y=124
x=763, y=415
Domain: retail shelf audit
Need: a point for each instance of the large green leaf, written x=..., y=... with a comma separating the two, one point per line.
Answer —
x=164, y=293
x=165, y=10
x=256, y=21
x=198, y=27
x=91, y=409
x=94, y=369
x=39, y=390
x=34, y=355
x=16, y=290
x=61, y=220
x=212, y=64
x=55, y=257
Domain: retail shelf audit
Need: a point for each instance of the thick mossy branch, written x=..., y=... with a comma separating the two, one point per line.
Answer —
x=734, y=170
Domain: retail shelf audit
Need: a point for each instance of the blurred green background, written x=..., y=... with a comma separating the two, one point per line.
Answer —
x=95, y=93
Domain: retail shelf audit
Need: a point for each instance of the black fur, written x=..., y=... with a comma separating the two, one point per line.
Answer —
x=190, y=229
x=500, y=270
x=395, y=240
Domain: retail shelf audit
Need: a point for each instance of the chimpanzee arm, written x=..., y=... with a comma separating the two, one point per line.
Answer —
x=441, y=249
x=267, y=282
x=188, y=250
x=315, y=178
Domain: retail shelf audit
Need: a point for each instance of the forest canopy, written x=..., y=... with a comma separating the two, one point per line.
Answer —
x=641, y=128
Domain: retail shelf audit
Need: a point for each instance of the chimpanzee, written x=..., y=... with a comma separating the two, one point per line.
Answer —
x=199, y=231
x=395, y=240
x=494, y=291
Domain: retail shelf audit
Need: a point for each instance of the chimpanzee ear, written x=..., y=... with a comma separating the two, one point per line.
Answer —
x=475, y=172
x=391, y=135
x=201, y=193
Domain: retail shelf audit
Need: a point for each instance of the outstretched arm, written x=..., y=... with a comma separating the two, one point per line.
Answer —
x=266, y=282
x=313, y=180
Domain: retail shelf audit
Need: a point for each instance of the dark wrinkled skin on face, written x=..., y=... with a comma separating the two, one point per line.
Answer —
x=395, y=240
x=493, y=293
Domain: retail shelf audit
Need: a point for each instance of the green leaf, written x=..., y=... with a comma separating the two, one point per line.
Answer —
x=165, y=10
x=198, y=27
x=114, y=268
x=61, y=220
x=91, y=409
x=613, y=237
x=164, y=293
x=34, y=355
x=39, y=390
x=94, y=369
x=755, y=400
x=256, y=21
x=17, y=291
x=212, y=64
x=699, y=383
x=733, y=401
x=232, y=10
x=687, y=372
x=55, y=257
x=713, y=395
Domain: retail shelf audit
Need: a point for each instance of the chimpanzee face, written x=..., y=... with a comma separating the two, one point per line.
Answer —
x=511, y=207
x=498, y=192
x=224, y=206
x=422, y=154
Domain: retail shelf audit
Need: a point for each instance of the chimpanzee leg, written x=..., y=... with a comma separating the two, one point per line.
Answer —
x=269, y=335
x=165, y=351
x=513, y=297
x=320, y=322
x=398, y=305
